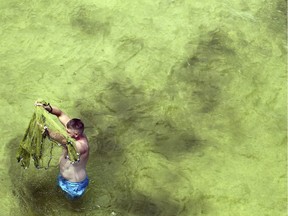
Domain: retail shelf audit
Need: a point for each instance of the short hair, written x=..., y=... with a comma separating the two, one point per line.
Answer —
x=76, y=124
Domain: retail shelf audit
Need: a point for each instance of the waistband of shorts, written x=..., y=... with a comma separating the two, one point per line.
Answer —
x=84, y=180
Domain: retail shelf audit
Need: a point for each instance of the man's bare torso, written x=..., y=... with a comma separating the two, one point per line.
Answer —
x=75, y=172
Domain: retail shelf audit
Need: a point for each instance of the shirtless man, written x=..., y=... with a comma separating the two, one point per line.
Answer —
x=73, y=178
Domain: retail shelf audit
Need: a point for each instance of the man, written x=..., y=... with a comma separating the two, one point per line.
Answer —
x=73, y=178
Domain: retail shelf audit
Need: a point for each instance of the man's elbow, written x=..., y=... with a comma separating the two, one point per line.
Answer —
x=63, y=142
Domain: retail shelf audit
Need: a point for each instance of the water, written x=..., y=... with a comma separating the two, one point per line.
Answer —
x=184, y=104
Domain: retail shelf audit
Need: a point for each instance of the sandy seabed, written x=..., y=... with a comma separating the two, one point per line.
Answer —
x=184, y=104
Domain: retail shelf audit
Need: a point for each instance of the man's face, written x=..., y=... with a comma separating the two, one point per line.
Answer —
x=72, y=133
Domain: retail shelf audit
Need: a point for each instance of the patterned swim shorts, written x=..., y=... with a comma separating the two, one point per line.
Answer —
x=73, y=190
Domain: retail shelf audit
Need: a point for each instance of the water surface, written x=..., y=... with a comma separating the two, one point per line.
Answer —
x=184, y=104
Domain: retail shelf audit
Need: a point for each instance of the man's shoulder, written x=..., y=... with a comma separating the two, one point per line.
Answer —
x=82, y=144
x=83, y=140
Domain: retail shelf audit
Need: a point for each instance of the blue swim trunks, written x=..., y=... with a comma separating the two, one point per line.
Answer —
x=73, y=190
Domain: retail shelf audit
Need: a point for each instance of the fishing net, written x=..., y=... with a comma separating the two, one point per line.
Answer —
x=36, y=143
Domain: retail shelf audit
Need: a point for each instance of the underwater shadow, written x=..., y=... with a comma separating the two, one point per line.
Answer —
x=36, y=189
x=174, y=143
x=273, y=16
x=91, y=21
x=137, y=203
x=206, y=71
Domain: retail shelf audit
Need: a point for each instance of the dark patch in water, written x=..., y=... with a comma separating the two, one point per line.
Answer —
x=206, y=71
x=273, y=15
x=107, y=142
x=136, y=203
x=91, y=20
x=174, y=143
x=128, y=48
x=125, y=109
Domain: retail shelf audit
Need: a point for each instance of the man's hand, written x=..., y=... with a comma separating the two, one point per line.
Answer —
x=47, y=107
x=38, y=103
x=44, y=129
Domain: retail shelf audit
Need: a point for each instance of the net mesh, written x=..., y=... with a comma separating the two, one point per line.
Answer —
x=37, y=145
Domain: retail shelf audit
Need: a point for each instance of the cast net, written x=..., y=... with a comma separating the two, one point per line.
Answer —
x=36, y=143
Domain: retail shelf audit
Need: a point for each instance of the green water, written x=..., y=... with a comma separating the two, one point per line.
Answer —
x=184, y=104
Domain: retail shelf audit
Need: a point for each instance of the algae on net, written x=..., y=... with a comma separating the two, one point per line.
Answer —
x=36, y=143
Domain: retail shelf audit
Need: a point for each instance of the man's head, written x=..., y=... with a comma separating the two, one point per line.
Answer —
x=75, y=128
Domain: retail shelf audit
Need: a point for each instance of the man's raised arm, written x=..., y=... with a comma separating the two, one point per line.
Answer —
x=63, y=118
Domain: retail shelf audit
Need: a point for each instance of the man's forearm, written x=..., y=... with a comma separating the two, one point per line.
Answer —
x=57, y=137
x=53, y=110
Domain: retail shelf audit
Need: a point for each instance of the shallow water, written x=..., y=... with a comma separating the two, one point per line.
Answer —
x=184, y=104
